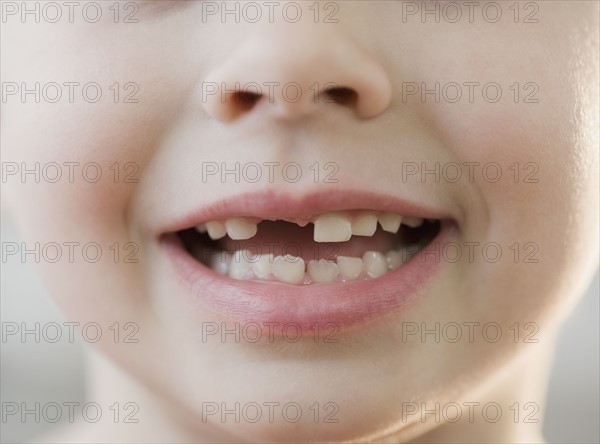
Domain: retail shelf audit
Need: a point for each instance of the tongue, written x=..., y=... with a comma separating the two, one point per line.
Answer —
x=281, y=238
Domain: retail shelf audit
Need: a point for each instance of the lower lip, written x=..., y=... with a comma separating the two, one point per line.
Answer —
x=275, y=304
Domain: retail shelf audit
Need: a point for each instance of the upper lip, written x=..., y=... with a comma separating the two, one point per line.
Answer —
x=300, y=208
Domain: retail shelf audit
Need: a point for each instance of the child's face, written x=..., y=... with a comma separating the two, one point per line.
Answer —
x=155, y=156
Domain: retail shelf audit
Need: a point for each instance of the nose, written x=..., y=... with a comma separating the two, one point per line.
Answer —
x=292, y=73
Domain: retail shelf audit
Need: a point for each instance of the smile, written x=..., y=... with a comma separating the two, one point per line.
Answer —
x=328, y=257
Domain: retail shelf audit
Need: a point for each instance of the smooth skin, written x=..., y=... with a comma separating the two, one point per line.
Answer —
x=370, y=375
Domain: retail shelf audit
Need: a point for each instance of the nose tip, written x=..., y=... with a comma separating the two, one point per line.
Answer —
x=293, y=77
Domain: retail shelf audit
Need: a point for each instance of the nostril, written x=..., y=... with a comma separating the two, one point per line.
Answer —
x=247, y=96
x=246, y=100
x=342, y=96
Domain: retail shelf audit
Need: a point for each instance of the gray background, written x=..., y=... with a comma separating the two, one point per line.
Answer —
x=48, y=372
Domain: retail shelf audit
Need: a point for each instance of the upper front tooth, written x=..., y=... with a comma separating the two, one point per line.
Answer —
x=412, y=222
x=216, y=230
x=365, y=224
x=201, y=228
x=240, y=229
x=332, y=227
x=390, y=222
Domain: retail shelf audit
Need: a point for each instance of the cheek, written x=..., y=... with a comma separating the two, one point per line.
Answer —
x=83, y=171
x=535, y=187
x=100, y=150
x=71, y=180
x=525, y=130
x=534, y=179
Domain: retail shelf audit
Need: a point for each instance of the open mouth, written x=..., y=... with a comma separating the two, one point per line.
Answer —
x=340, y=246
x=344, y=257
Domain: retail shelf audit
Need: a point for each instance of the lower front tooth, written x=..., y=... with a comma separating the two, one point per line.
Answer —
x=322, y=270
x=375, y=263
x=289, y=269
x=350, y=267
x=219, y=262
x=239, y=265
x=263, y=266
x=394, y=259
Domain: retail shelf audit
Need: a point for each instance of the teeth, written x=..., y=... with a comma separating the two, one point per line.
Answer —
x=412, y=222
x=375, y=263
x=394, y=259
x=322, y=271
x=365, y=224
x=289, y=269
x=350, y=267
x=263, y=266
x=220, y=262
x=240, y=229
x=332, y=227
x=390, y=222
x=328, y=227
x=216, y=230
x=239, y=265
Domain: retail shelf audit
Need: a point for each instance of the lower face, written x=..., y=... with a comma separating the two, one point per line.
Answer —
x=319, y=294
